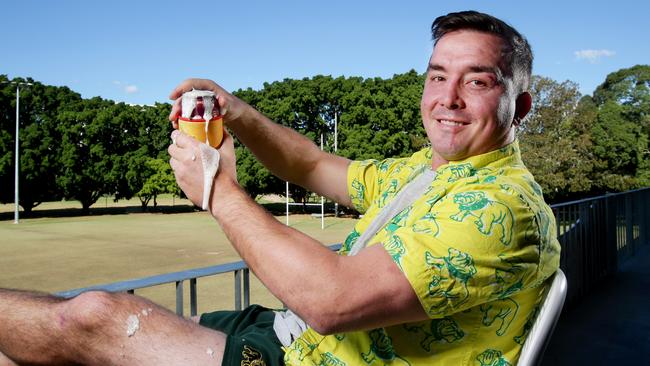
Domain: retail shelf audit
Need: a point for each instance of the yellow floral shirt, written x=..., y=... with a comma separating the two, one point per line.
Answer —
x=477, y=248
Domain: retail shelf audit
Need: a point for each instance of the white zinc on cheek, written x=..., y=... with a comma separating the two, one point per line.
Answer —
x=507, y=102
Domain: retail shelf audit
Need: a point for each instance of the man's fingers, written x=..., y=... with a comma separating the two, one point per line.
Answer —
x=182, y=140
x=175, y=113
x=174, y=164
x=174, y=137
x=189, y=84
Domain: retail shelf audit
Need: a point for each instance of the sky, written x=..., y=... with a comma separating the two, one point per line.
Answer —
x=137, y=51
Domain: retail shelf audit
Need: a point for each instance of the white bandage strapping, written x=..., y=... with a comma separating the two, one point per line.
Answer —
x=288, y=327
x=210, y=160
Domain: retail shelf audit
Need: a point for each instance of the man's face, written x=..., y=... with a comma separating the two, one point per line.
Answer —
x=466, y=96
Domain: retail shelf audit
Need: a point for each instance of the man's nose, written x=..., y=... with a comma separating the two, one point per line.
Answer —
x=450, y=97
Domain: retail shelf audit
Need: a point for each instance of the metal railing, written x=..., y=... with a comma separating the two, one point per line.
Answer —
x=596, y=234
x=241, y=284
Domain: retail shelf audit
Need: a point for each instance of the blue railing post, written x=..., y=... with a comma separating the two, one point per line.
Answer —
x=247, y=286
x=193, y=297
x=238, y=290
x=179, y=298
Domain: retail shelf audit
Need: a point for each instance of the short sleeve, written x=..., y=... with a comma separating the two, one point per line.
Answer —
x=367, y=179
x=362, y=183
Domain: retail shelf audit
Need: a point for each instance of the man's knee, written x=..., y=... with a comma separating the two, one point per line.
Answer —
x=89, y=311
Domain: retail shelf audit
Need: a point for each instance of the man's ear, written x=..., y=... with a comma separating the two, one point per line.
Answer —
x=522, y=106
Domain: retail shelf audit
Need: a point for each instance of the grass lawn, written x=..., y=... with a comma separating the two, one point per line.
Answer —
x=60, y=253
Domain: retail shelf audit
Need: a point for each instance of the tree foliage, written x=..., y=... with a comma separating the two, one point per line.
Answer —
x=554, y=142
x=160, y=179
x=377, y=118
x=621, y=129
x=82, y=149
x=39, y=140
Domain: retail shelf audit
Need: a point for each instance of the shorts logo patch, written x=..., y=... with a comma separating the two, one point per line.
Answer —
x=251, y=357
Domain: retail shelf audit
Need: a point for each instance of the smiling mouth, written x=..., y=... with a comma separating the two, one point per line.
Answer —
x=447, y=122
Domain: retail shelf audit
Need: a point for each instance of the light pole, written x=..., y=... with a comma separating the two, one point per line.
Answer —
x=16, y=197
x=336, y=135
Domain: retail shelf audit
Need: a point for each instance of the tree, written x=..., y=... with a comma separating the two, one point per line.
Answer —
x=377, y=118
x=381, y=118
x=39, y=144
x=254, y=177
x=160, y=180
x=629, y=88
x=619, y=146
x=621, y=129
x=148, y=130
x=86, y=159
x=554, y=143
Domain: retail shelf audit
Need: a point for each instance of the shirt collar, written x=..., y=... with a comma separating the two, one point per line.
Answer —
x=506, y=155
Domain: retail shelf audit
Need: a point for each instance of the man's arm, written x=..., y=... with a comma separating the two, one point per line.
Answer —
x=331, y=293
x=285, y=152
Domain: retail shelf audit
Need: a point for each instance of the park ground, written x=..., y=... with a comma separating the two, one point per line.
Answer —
x=57, y=250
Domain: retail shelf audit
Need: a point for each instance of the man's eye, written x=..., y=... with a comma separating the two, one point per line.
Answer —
x=478, y=83
x=437, y=78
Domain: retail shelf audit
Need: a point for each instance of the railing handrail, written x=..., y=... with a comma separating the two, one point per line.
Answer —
x=608, y=195
x=178, y=278
x=160, y=279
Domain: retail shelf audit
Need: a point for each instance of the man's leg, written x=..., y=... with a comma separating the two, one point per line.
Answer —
x=98, y=328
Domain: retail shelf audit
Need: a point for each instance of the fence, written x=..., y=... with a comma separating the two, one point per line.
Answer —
x=596, y=235
x=241, y=284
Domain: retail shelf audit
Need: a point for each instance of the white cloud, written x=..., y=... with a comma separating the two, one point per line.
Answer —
x=130, y=89
x=117, y=82
x=593, y=56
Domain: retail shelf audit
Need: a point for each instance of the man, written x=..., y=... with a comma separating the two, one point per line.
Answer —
x=452, y=278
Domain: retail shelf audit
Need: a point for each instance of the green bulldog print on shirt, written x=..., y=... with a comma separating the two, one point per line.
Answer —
x=427, y=225
x=328, y=359
x=399, y=220
x=350, y=240
x=449, y=280
x=358, y=195
x=461, y=171
x=381, y=350
x=389, y=192
x=508, y=281
x=384, y=165
x=504, y=310
x=530, y=321
x=440, y=330
x=492, y=357
x=396, y=249
x=487, y=214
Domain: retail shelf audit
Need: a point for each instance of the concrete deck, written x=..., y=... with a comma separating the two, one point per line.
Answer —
x=611, y=326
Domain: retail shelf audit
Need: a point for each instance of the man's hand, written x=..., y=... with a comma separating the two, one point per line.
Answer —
x=188, y=167
x=230, y=106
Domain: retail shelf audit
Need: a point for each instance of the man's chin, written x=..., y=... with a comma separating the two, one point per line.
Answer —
x=441, y=157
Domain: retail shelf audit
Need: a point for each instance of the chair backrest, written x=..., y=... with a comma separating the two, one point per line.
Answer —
x=549, y=313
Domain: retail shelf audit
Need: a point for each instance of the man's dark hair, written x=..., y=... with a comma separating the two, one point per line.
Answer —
x=518, y=55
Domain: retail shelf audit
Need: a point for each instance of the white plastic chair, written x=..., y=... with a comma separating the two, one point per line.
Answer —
x=549, y=313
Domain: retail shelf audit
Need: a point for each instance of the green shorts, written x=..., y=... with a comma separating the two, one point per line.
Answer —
x=251, y=339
